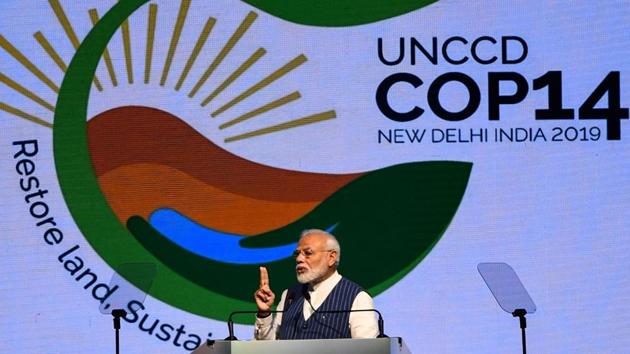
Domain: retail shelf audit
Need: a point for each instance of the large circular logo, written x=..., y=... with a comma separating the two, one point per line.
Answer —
x=144, y=186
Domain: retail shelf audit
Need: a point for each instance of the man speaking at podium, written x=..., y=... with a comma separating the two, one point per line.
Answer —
x=321, y=288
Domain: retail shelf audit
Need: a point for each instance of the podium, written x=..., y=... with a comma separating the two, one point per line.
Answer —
x=393, y=345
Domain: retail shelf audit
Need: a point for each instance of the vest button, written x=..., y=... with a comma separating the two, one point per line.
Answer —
x=304, y=326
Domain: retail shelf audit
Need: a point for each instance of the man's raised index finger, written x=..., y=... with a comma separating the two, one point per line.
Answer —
x=264, y=277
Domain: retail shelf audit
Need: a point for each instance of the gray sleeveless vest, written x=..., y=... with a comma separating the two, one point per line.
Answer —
x=319, y=325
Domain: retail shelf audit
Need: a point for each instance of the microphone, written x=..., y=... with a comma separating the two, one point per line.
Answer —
x=230, y=322
x=381, y=323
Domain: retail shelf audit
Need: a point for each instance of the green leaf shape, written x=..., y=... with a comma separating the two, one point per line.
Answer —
x=387, y=221
x=337, y=13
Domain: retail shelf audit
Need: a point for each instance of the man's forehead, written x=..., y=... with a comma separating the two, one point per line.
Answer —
x=312, y=240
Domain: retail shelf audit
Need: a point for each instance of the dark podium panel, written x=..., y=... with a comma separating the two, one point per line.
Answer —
x=307, y=346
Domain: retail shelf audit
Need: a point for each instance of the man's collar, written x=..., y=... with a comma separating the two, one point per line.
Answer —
x=332, y=279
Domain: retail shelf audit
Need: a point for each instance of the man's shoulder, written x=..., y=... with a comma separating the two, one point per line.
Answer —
x=349, y=284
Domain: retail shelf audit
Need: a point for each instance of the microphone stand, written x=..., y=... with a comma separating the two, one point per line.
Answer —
x=231, y=335
x=118, y=313
x=307, y=297
x=520, y=313
x=230, y=322
x=381, y=323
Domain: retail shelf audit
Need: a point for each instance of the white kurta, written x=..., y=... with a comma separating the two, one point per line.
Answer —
x=362, y=324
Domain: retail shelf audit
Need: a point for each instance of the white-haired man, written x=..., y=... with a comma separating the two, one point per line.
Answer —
x=321, y=288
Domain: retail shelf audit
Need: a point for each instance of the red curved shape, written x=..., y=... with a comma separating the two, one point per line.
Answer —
x=135, y=134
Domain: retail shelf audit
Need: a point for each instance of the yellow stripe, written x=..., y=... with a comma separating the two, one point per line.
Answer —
x=193, y=56
x=67, y=28
x=24, y=91
x=108, y=60
x=235, y=75
x=268, y=107
x=16, y=112
x=236, y=36
x=181, y=19
x=127, y=48
x=27, y=63
x=52, y=53
x=65, y=23
x=297, y=61
x=150, y=38
x=284, y=126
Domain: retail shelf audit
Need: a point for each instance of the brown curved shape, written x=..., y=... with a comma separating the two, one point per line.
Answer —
x=134, y=134
x=164, y=186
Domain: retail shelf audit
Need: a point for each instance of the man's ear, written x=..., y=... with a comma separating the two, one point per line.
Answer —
x=332, y=258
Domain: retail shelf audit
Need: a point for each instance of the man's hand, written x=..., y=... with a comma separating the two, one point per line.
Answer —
x=264, y=296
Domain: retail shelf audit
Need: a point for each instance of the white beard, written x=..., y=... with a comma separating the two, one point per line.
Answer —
x=311, y=275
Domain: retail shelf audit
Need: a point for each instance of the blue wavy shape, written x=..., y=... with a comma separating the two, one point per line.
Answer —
x=212, y=244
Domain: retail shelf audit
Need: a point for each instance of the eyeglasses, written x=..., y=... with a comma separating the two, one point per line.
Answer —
x=307, y=253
